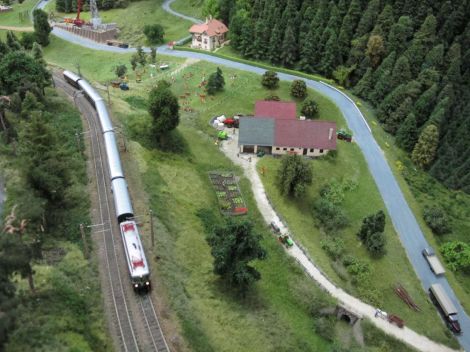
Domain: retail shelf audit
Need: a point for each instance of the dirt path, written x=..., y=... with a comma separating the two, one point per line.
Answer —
x=17, y=29
x=420, y=342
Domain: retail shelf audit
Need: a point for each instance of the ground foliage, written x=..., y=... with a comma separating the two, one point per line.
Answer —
x=385, y=51
x=47, y=200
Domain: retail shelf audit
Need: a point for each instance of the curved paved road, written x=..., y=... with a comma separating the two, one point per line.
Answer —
x=402, y=218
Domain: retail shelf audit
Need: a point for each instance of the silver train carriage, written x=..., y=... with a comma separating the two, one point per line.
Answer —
x=105, y=120
x=72, y=78
x=112, y=152
x=90, y=93
x=122, y=201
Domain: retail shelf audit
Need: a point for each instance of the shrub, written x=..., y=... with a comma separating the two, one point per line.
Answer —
x=437, y=220
x=334, y=247
x=457, y=255
x=330, y=216
x=154, y=33
x=375, y=243
x=272, y=97
x=270, y=80
x=298, y=89
x=120, y=70
x=309, y=109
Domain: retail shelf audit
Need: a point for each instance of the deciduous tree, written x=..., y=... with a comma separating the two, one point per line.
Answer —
x=234, y=246
x=298, y=89
x=270, y=80
x=164, y=109
x=294, y=175
x=309, y=109
x=424, y=151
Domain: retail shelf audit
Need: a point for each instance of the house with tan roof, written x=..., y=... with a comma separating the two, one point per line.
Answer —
x=275, y=129
x=208, y=35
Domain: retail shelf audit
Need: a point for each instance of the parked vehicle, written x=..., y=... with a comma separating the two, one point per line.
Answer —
x=445, y=307
x=285, y=240
x=274, y=227
x=433, y=261
x=343, y=135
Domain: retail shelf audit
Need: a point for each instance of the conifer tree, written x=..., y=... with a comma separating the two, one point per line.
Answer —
x=307, y=53
x=236, y=29
x=365, y=85
x=424, y=105
x=395, y=118
x=274, y=44
x=368, y=18
x=434, y=58
x=331, y=55
x=12, y=41
x=424, y=151
x=289, y=48
x=41, y=27
x=401, y=72
x=407, y=134
x=438, y=115
x=348, y=27
x=384, y=21
x=400, y=33
x=382, y=76
x=247, y=39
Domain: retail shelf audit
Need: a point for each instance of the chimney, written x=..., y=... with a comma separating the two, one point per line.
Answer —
x=330, y=134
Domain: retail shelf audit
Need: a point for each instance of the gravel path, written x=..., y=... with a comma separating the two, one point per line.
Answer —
x=420, y=342
x=17, y=29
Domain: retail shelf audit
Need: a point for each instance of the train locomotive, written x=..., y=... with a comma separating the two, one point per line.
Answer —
x=134, y=251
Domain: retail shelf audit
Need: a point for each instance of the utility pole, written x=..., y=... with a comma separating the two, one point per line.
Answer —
x=77, y=65
x=85, y=244
x=152, y=235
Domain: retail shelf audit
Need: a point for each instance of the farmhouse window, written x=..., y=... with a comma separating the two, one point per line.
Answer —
x=321, y=151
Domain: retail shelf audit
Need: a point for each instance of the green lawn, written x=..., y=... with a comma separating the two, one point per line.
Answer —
x=191, y=8
x=132, y=19
x=176, y=185
x=19, y=17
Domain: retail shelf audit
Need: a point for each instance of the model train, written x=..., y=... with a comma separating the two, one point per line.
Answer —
x=134, y=251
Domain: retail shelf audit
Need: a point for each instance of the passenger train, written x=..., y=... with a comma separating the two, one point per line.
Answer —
x=134, y=251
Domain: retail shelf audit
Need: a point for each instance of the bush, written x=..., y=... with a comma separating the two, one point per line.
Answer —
x=298, y=89
x=334, y=247
x=272, y=97
x=457, y=255
x=437, y=220
x=330, y=216
x=120, y=70
x=309, y=109
x=375, y=244
x=154, y=33
x=270, y=80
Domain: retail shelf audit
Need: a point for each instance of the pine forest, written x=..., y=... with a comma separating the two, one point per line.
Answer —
x=409, y=59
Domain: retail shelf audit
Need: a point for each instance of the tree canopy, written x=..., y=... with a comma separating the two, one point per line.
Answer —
x=164, y=109
x=234, y=246
x=294, y=175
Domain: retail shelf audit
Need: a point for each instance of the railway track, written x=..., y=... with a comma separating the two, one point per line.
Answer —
x=140, y=331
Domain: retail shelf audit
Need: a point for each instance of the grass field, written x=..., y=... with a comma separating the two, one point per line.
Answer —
x=146, y=12
x=191, y=8
x=19, y=16
x=175, y=185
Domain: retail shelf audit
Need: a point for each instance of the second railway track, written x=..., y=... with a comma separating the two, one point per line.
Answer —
x=135, y=321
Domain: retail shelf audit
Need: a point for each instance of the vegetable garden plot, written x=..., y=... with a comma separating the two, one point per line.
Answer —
x=228, y=193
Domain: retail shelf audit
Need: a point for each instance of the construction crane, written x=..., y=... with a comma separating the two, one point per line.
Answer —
x=76, y=21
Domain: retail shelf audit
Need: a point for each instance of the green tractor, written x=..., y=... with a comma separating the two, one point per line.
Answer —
x=222, y=135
